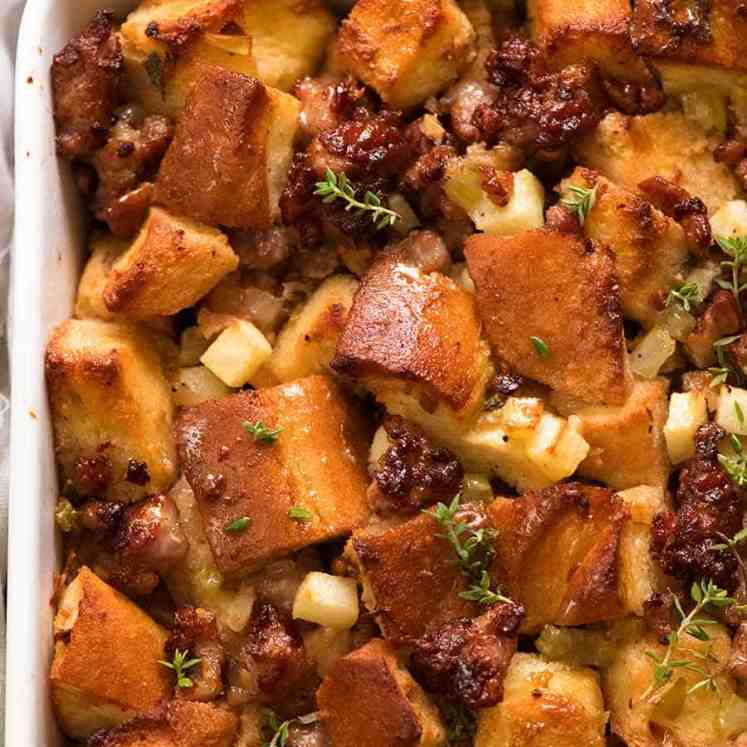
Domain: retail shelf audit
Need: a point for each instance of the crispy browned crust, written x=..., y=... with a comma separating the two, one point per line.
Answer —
x=368, y=700
x=711, y=34
x=86, y=77
x=410, y=581
x=317, y=462
x=558, y=288
x=181, y=723
x=112, y=653
x=172, y=264
x=557, y=554
x=414, y=326
x=215, y=170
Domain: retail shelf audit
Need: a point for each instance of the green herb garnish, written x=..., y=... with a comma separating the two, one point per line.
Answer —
x=724, y=369
x=298, y=513
x=687, y=295
x=735, y=466
x=580, y=201
x=154, y=69
x=180, y=664
x=261, y=432
x=543, y=351
x=237, y=525
x=736, y=247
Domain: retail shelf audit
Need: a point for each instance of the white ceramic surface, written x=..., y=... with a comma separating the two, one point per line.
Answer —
x=45, y=266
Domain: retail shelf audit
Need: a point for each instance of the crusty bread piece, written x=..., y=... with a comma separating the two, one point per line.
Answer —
x=406, y=50
x=89, y=301
x=369, y=700
x=111, y=410
x=289, y=38
x=649, y=248
x=557, y=553
x=181, y=723
x=155, y=25
x=408, y=327
x=410, y=581
x=306, y=344
x=548, y=285
x=627, y=446
x=171, y=265
x=588, y=31
x=105, y=668
x=229, y=158
x=545, y=704
x=317, y=462
x=628, y=150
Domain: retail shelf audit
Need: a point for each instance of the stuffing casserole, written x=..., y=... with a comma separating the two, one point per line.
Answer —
x=403, y=403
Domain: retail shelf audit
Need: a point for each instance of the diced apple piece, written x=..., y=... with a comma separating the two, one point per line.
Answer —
x=557, y=447
x=327, y=600
x=731, y=413
x=237, y=353
x=687, y=412
x=652, y=352
x=196, y=384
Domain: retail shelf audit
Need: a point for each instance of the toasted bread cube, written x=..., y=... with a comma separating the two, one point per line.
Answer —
x=588, y=31
x=369, y=700
x=317, y=461
x=181, y=722
x=687, y=412
x=89, y=301
x=710, y=54
x=546, y=287
x=406, y=51
x=628, y=150
x=238, y=352
x=195, y=385
x=306, y=344
x=156, y=24
x=111, y=410
x=523, y=210
x=626, y=443
x=560, y=563
x=105, y=669
x=545, y=704
x=408, y=327
x=170, y=266
x=649, y=248
x=327, y=600
x=289, y=38
x=691, y=718
x=410, y=582
x=227, y=165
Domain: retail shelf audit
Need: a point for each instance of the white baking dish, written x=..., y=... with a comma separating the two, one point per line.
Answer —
x=45, y=266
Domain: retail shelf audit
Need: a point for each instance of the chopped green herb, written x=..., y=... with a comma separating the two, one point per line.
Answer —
x=543, y=351
x=154, y=68
x=66, y=516
x=237, y=525
x=180, y=664
x=482, y=593
x=724, y=369
x=336, y=187
x=275, y=732
x=298, y=513
x=732, y=542
x=736, y=247
x=580, y=201
x=687, y=295
x=261, y=432
x=461, y=723
x=738, y=412
x=735, y=466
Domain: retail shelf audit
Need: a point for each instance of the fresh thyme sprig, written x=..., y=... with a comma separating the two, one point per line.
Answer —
x=735, y=466
x=261, y=432
x=180, y=664
x=704, y=594
x=724, y=369
x=473, y=549
x=731, y=543
x=461, y=723
x=336, y=187
x=580, y=201
x=736, y=247
x=687, y=295
x=279, y=730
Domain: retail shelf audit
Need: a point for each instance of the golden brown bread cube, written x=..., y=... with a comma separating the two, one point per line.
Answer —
x=406, y=50
x=289, y=38
x=307, y=343
x=410, y=581
x=545, y=704
x=628, y=150
x=695, y=719
x=411, y=328
x=156, y=25
x=369, y=700
x=549, y=287
x=557, y=553
x=627, y=441
x=588, y=31
x=180, y=723
x=89, y=301
x=111, y=410
x=171, y=265
x=105, y=669
x=228, y=162
x=649, y=248
x=316, y=462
